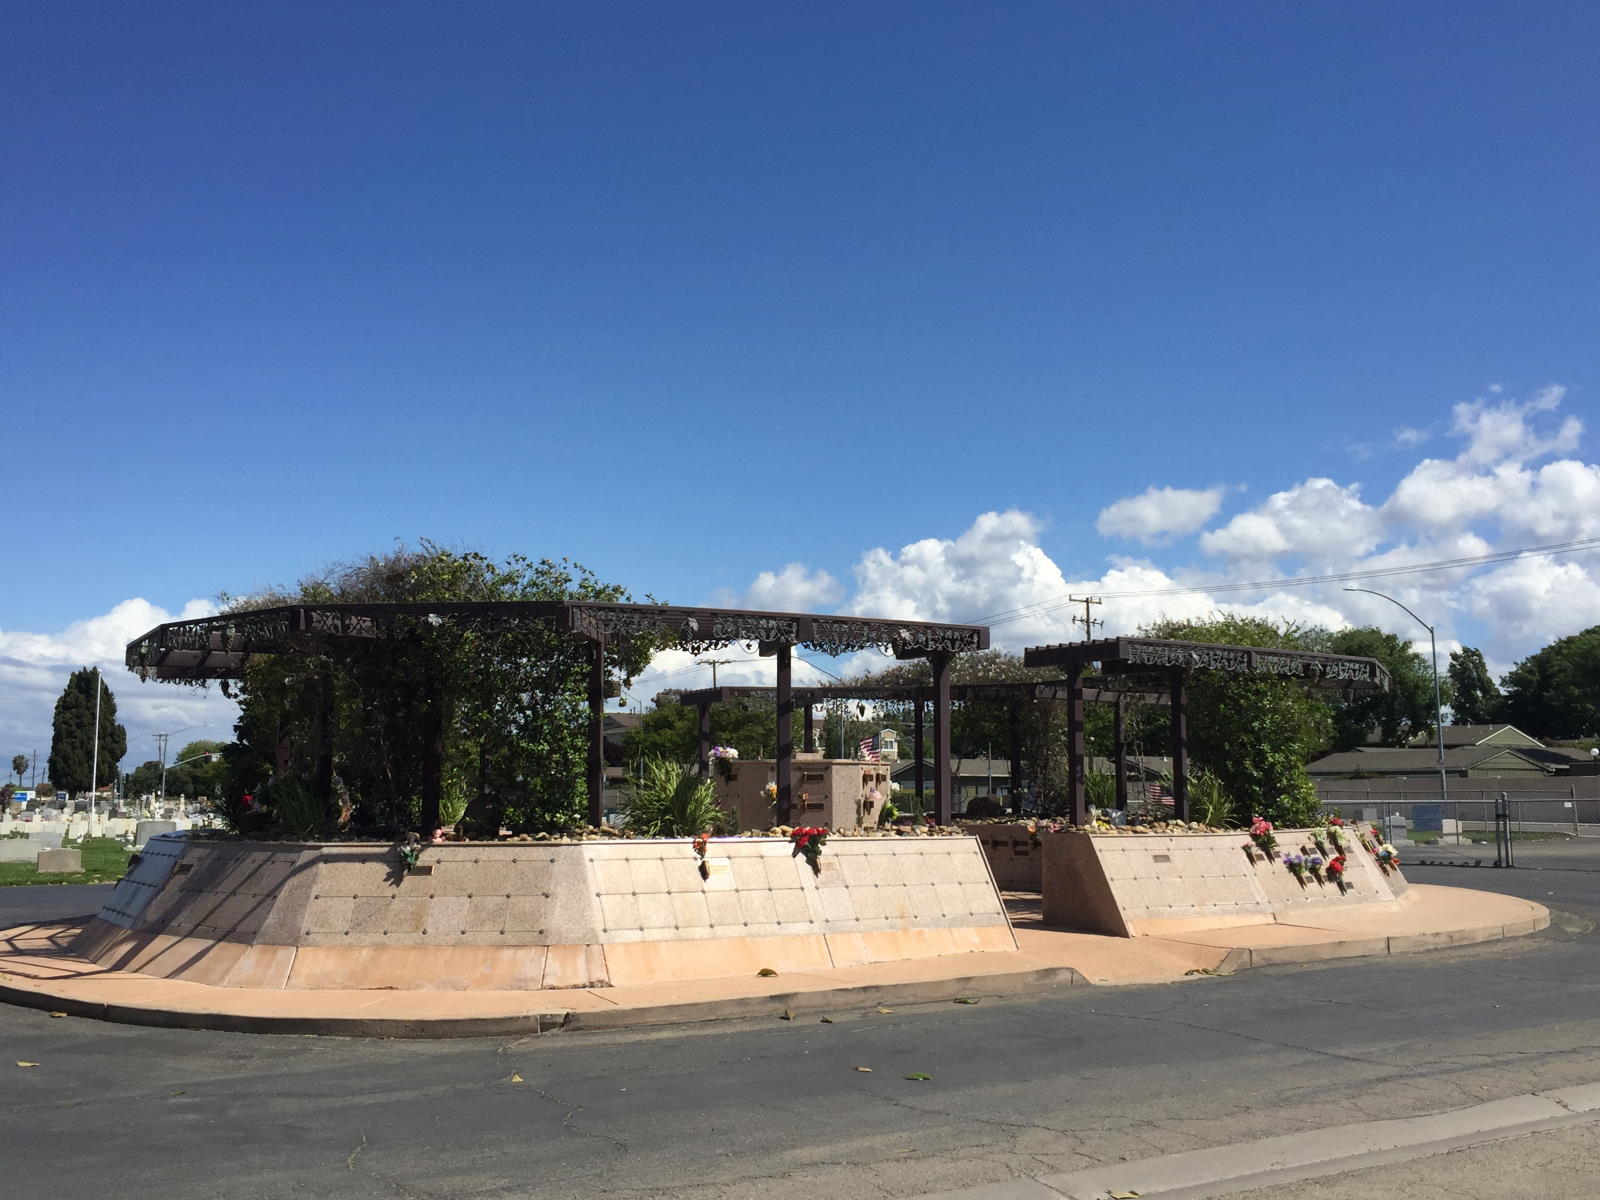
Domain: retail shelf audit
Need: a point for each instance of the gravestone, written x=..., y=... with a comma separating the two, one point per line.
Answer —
x=146, y=830
x=18, y=849
x=60, y=862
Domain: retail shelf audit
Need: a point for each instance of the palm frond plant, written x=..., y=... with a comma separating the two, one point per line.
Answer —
x=297, y=809
x=1209, y=802
x=1100, y=789
x=672, y=800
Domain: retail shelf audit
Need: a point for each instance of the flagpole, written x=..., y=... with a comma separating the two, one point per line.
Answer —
x=94, y=770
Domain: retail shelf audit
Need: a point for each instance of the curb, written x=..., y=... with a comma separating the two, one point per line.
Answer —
x=731, y=1008
x=734, y=1008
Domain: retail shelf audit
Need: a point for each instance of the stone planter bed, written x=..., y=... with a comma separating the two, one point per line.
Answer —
x=539, y=913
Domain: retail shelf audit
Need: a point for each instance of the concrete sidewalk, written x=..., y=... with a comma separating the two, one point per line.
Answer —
x=37, y=970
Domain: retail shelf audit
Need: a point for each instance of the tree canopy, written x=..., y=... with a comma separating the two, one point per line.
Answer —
x=1475, y=699
x=72, y=739
x=1556, y=692
x=1254, y=734
x=1392, y=717
x=511, y=705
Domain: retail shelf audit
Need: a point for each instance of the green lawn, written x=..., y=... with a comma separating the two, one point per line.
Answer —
x=104, y=861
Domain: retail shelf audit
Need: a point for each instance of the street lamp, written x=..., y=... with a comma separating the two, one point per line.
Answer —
x=1438, y=706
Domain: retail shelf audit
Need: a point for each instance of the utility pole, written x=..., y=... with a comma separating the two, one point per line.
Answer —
x=1088, y=620
x=714, y=663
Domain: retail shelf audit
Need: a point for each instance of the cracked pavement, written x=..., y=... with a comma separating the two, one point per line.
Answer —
x=1022, y=1086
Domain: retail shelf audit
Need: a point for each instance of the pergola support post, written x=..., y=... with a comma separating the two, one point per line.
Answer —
x=942, y=800
x=1119, y=734
x=1180, y=748
x=1014, y=729
x=785, y=737
x=919, y=749
x=597, y=731
x=322, y=783
x=810, y=743
x=432, y=762
x=705, y=740
x=1077, y=789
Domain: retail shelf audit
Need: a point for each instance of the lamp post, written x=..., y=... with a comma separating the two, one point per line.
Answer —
x=1438, y=706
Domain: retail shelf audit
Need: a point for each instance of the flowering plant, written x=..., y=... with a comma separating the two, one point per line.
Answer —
x=808, y=841
x=701, y=842
x=1261, y=834
x=770, y=793
x=1335, y=870
x=1314, y=864
x=723, y=758
x=1388, y=856
x=1297, y=865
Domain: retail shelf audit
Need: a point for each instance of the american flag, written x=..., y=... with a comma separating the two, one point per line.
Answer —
x=869, y=749
x=1158, y=793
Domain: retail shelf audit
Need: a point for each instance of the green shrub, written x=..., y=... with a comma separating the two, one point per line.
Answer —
x=670, y=800
x=296, y=810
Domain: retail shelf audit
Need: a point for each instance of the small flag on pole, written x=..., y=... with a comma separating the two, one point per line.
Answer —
x=869, y=749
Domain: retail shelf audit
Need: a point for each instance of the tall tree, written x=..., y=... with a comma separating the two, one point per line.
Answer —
x=202, y=772
x=145, y=779
x=1255, y=734
x=1406, y=710
x=672, y=731
x=72, y=744
x=19, y=767
x=510, y=703
x=1556, y=692
x=1475, y=699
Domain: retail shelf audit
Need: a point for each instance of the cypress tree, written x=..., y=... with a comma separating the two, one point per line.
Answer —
x=72, y=739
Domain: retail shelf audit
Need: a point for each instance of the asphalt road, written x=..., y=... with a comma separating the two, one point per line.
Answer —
x=1055, y=1082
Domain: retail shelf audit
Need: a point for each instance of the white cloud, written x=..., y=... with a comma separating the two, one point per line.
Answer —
x=1490, y=480
x=1407, y=435
x=1501, y=431
x=34, y=668
x=1530, y=602
x=1158, y=514
x=1317, y=520
x=793, y=589
x=996, y=564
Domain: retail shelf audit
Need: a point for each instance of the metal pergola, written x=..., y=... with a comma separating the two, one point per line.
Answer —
x=1055, y=691
x=1161, y=659
x=220, y=647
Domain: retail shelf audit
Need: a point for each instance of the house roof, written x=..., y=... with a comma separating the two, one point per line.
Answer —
x=1475, y=735
x=1404, y=761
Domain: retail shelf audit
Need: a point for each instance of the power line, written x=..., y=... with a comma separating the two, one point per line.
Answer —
x=1041, y=607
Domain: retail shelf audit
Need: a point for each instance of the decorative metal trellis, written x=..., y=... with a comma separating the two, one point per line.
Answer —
x=219, y=647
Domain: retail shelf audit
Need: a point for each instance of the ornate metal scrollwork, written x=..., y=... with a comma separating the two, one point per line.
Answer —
x=950, y=639
x=846, y=637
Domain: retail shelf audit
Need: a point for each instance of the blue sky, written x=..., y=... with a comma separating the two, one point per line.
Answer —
x=693, y=292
